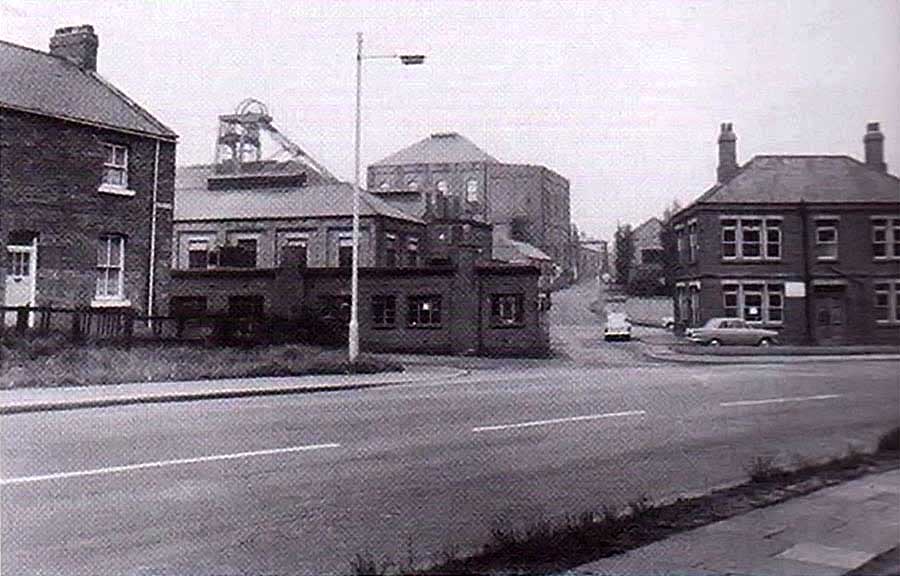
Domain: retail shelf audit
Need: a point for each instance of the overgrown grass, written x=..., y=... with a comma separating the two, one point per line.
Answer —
x=51, y=362
x=545, y=547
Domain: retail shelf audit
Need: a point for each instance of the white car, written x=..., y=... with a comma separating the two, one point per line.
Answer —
x=617, y=327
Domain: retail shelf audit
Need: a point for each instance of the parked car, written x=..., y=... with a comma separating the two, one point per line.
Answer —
x=617, y=327
x=733, y=331
x=668, y=322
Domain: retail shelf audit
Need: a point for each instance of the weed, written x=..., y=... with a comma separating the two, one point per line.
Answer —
x=890, y=441
x=763, y=469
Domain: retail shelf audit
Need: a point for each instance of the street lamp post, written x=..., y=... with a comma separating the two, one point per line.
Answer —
x=408, y=60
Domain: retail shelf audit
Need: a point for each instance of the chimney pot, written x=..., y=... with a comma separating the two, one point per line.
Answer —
x=77, y=44
x=873, y=142
x=727, y=154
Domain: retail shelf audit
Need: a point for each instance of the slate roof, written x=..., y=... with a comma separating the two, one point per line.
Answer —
x=443, y=148
x=34, y=81
x=509, y=250
x=193, y=201
x=812, y=179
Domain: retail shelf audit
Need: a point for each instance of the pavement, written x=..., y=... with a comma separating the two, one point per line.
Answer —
x=849, y=528
x=20, y=400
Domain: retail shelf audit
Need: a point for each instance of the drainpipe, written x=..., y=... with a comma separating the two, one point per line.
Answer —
x=151, y=292
x=807, y=276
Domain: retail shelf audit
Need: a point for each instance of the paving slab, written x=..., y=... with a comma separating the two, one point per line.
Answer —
x=826, y=533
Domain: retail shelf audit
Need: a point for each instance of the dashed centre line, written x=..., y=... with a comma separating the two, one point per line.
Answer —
x=161, y=464
x=558, y=421
x=780, y=400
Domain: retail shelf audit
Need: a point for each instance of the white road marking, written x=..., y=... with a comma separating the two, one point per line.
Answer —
x=161, y=464
x=780, y=400
x=558, y=421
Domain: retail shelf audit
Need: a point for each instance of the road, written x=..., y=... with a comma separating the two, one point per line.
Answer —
x=299, y=484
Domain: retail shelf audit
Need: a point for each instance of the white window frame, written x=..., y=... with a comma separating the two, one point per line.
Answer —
x=111, y=150
x=425, y=304
x=693, y=241
x=822, y=224
x=105, y=296
x=196, y=241
x=893, y=301
x=891, y=229
x=766, y=224
x=766, y=301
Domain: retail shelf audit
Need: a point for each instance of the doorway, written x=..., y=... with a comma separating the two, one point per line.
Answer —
x=830, y=310
x=20, y=279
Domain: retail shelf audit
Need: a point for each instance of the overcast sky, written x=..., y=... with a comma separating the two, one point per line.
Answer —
x=622, y=98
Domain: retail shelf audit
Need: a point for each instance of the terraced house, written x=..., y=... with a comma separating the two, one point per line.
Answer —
x=86, y=183
x=808, y=245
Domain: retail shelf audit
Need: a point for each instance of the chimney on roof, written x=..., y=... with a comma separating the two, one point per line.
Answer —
x=874, y=143
x=77, y=44
x=727, y=154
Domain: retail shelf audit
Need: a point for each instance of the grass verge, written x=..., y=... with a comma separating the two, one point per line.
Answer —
x=30, y=364
x=551, y=548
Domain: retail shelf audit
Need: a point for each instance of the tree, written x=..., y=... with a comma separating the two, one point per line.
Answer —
x=624, y=253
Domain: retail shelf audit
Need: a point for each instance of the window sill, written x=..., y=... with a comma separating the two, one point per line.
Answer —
x=751, y=261
x=115, y=190
x=887, y=323
x=110, y=303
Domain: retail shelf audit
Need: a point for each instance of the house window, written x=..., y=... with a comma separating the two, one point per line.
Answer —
x=424, y=312
x=773, y=239
x=390, y=250
x=754, y=301
x=111, y=267
x=507, y=309
x=886, y=238
x=412, y=251
x=443, y=188
x=693, y=246
x=345, y=250
x=115, y=166
x=198, y=253
x=294, y=250
x=887, y=302
x=730, y=294
x=21, y=264
x=729, y=239
x=384, y=311
x=826, y=239
x=751, y=238
x=472, y=190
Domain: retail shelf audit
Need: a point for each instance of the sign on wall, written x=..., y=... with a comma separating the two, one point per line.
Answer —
x=795, y=290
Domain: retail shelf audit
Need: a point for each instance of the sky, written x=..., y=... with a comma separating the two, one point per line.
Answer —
x=623, y=98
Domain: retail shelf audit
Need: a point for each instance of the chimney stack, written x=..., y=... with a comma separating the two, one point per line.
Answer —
x=727, y=154
x=874, y=143
x=77, y=44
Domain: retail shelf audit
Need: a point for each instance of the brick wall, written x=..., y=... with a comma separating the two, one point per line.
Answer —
x=50, y=174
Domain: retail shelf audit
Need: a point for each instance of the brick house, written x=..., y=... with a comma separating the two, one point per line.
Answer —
x=87, y=181
x=524, y=202
x=806, y=245
x=647, y=271
x=270, y=244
